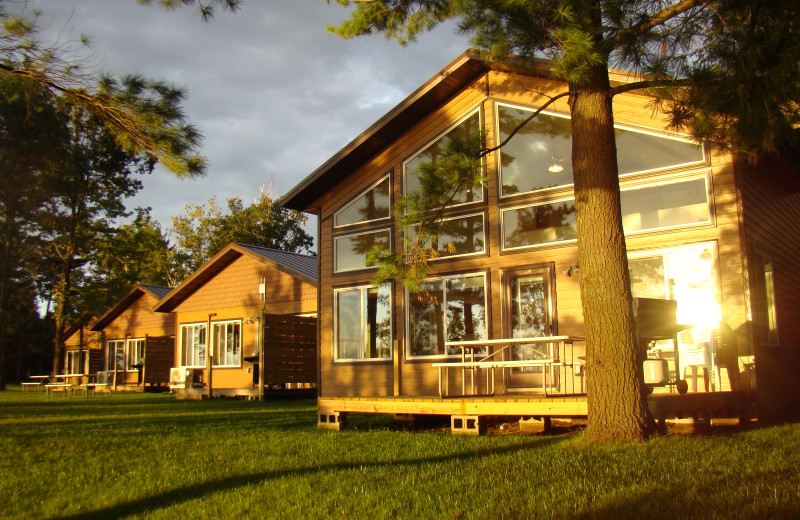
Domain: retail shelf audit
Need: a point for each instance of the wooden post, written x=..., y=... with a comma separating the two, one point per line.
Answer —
x=261, y=357
x=398, y=387
x=143, y=361
x=209, y=356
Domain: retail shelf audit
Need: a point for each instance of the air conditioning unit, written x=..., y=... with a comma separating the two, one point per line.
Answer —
x=103, y=377
x=177, y=378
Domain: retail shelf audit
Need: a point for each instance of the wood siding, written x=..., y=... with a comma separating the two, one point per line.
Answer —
x=771, y=212
x=418, y=377
x=233, y=295
x=290, y=349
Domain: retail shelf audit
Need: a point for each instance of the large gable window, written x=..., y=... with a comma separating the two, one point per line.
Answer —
x=539, y=156
x=644, y=208
x=449, y=308
x=373, y=204
x=363, y=319
x=468, y=129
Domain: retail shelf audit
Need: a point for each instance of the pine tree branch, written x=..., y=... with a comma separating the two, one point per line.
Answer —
x=655, y=20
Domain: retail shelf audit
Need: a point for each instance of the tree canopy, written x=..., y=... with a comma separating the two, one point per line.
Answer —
x=727, y=72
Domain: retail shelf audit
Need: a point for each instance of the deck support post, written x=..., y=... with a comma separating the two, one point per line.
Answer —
x=468, y=424
x=331, y=420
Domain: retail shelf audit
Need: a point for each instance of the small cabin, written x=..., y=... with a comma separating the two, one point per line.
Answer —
x=138, y=342
x=83, y=348
x=245, y=305
x=716, y=236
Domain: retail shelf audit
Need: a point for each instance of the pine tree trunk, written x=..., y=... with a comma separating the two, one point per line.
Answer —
x=616, y=405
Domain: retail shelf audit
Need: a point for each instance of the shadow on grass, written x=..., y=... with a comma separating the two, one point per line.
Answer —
x=185, y=494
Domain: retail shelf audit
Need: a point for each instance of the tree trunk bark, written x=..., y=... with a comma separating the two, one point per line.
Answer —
x=616, y=405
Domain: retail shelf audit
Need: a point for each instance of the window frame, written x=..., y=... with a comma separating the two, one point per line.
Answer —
x=633, y=185
x=215, y=348
x=183, y=354
x=133, y=342
x=360, y=194
x=334, y=245
x=621, y=126
x=765, y=311
x=362, y=288
x=111, y=355
x=444, y=277
x=483, y=252
x=69, y=362
x=481, y=124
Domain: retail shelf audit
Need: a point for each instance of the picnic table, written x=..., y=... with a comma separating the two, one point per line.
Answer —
x=549, y=352
x=36, y=382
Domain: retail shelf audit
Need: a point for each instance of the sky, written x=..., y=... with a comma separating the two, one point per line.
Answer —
x=272, y=92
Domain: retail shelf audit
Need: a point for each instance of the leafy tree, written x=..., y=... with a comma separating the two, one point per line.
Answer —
x=202, y=232
x=137, y=252
x=727, y=71
x=28, y=128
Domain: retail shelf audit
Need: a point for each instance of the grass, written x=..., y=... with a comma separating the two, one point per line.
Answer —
x=150, y=456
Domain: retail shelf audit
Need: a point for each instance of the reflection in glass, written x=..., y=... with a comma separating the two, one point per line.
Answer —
x=452, y=309
x=539, y=156
x=654, y=207
x=529, y=316
x=364, y=323
x=375, y=204
x=227, y=344
x=678, y=204
x=542, y=224
x=193, y=341
x=466, y=130
x=458, y=236
x=350, y=251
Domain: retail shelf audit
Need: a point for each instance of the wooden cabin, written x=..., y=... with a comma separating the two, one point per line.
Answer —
x=245, y=295
x=83, y=348
x=139, y=344
x=715, y=235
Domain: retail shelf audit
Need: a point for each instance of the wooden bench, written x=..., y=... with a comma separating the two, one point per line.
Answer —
x=50, y=388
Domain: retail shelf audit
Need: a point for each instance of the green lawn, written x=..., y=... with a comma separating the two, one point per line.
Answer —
x=150, y=456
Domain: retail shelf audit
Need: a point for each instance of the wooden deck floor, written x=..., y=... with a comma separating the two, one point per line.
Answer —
x=706, y=405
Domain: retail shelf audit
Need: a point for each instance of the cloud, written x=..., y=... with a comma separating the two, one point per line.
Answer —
x=273, y=93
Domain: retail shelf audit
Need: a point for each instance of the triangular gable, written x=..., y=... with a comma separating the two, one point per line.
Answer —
x=138, y=290
x=302, y=267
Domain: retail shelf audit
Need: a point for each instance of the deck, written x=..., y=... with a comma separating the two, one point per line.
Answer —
x=699, y=406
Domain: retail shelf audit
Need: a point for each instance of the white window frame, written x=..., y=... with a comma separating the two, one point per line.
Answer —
x=215, y=348
x=365, y=267
x=444, y=279
x=183, y=353
x=459, y=217
x=363, y=334
x=357, y=197
x=628, y=186
x=766, y=332
x=69, y=361
x=621, y=126
x=111, y=354
x=467, y=115
x=130, y=349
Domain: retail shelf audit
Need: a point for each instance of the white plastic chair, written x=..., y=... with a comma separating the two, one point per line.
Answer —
x=694, y=350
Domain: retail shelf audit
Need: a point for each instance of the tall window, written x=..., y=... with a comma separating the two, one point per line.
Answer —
x=363, y=322
x=193, y=345
x=75, y=362
x=686, y=274
x=135, y=352
x=115, y=355
x=539, y=156
x=467, y=130
x=449, y=308
x=764, y=311
x=227, y=341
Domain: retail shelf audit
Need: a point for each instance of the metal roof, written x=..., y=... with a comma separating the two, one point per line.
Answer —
x=156, y=291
